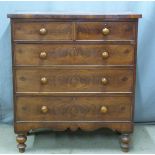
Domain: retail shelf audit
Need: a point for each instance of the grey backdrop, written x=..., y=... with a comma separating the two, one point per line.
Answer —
x=145, y=88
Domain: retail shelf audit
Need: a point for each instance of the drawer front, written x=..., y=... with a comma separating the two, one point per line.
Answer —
x=73, y=108
x=43, y=31
x=48, y=54
x=106, y=31
x=74, y=80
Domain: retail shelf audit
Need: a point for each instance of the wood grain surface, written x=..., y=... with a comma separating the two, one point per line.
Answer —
x=73, y=109
x=93, y=30
x=73, y=54
x=55, y=31
x=74, y=80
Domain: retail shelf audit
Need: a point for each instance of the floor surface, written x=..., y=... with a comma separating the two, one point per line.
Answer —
x=100, y=141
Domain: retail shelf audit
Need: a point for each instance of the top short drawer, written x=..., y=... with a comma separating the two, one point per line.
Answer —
x=106, y=31
x=42, y=31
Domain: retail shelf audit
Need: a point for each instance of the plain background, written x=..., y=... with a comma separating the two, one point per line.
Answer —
x=145, y=87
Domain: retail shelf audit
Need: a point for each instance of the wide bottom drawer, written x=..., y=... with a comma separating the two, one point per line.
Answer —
x=116, y=108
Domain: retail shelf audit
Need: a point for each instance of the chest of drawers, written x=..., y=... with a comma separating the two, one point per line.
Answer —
x=74, y=72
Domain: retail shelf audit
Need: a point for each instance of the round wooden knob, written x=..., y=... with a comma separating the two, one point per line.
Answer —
x=105, y=31
x=104, y=81
x=44, y=80
x=43, y=55
x=42, y=31
x=44, y=109
x=104, y=109
x=105, y=55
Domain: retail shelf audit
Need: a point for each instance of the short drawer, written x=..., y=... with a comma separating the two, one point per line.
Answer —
x=60, y=54
x=73, y=80
x=73, y=108
x=42, y=31
x=106, y=31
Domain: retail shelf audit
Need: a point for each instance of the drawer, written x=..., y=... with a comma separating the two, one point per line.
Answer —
x=73, y=108
x=73, y=80
x=42, y=31
x=106, y=31
x=48, y=54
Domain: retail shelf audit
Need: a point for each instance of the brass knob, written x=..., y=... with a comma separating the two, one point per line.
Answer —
x=44, y=109
x=105, y=55
x=44, y=80
x=42, y=31
x=43, y=55
x=105, y=31
x=104, y=109
x=104, y=81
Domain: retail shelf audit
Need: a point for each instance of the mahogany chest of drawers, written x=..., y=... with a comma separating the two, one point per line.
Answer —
x=74, y=72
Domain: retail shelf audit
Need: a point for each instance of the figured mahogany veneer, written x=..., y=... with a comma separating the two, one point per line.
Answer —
x=118, y=30
x=74, y=80
x=73, y=109
x=54, y=31
x=74, y=72
x=73, y=54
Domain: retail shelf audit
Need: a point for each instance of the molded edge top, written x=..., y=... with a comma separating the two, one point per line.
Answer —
x=74, y=15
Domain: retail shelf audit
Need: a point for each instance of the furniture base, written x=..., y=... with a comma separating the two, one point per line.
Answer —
x=124, y=129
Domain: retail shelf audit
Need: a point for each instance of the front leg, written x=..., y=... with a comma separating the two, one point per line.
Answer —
x=124, y=142
x=21, y=139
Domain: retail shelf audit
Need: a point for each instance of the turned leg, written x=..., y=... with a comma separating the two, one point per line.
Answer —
x=21, y=139
x=124, y=142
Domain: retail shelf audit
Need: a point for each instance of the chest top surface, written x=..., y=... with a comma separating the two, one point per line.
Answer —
x=75, y=15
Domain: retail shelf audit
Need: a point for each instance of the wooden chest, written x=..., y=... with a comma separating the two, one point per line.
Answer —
x=74, y=72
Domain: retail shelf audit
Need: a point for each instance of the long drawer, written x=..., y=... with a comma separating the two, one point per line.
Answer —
x=73, y=80
x=73, y=54
x=73, y=108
